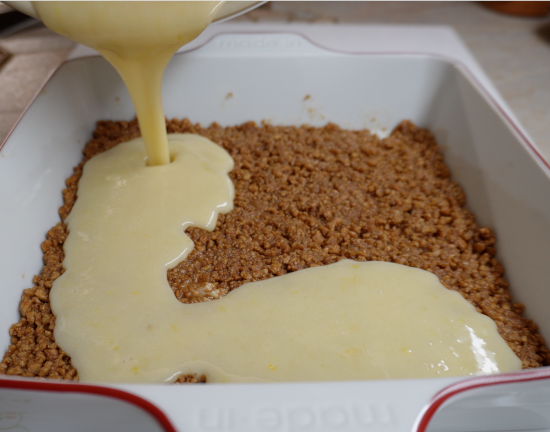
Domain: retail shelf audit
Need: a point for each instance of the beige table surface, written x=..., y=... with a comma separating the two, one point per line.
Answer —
x=515, y=52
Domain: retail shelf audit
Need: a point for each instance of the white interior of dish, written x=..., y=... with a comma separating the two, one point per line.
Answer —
x=269, y=77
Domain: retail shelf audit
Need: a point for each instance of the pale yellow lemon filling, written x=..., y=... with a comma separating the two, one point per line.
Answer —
x=119, y=320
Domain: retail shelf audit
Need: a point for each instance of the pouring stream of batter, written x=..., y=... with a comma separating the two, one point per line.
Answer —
x=138, y=39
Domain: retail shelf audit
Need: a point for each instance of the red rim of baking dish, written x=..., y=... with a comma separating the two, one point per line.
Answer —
x=424, y=416
x=153, y=410
x=448, y=392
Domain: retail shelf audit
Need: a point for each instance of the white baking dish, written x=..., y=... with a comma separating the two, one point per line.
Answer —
x=269, y=76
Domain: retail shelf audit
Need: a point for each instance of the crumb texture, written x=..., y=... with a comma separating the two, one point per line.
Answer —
x=304, y=197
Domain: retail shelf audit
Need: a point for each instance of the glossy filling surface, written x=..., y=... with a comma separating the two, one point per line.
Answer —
x=119, y=321
x=304, y=197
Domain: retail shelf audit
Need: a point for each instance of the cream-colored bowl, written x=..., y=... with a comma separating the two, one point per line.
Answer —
x=228, y=10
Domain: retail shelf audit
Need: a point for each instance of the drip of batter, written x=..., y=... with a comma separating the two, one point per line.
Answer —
x=119, y=320
x=138, y=39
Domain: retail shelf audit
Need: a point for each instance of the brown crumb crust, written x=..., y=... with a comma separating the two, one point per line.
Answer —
x=304, y=197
